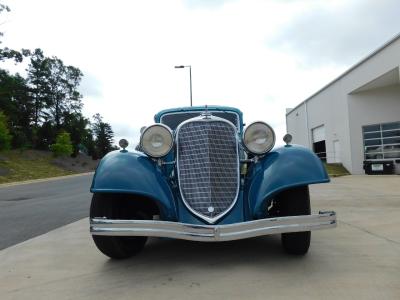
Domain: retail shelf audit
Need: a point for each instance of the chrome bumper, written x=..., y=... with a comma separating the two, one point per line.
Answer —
x=212, y=233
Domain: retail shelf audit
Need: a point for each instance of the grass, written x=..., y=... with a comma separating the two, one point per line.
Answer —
x=18, y=165
x=335, y=170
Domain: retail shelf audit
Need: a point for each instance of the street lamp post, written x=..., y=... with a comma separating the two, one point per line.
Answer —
x=190, y=78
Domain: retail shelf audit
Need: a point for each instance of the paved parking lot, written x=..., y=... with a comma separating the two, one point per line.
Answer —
x=360, y=259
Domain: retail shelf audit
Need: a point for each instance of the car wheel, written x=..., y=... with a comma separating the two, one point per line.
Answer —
x=295, y=202
x=114, y=207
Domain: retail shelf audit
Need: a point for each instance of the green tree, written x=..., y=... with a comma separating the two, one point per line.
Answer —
x=45, y=135
x=18, y=56
x=14, y=94
x=45, y=102
x=37, y=80
x=16, y=102
x=54, y=87
x=62, y=88
x=5, y=137
x=63, y=145
x=89, y=144
x=77, y=125
x=57, y=102
x=104, y=136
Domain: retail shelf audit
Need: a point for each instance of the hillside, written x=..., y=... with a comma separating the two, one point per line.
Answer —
x=18, y=165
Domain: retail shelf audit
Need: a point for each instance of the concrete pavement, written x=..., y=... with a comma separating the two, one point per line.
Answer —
x=360, y=259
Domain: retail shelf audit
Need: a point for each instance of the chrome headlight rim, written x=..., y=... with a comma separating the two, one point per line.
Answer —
x=165, y=153
x=269, y=148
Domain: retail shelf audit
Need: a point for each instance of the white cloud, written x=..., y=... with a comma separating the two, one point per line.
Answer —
x=339, y=32
x=90, y=86
x=129, y=49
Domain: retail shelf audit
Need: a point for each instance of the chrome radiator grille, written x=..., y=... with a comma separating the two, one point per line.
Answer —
x=208, y=166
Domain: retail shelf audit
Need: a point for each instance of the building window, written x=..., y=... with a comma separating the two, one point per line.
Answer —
x=381, y=141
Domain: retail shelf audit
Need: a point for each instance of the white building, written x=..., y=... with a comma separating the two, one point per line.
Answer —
x=356, y=117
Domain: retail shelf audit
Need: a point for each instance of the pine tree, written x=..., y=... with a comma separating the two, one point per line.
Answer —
x=104, y=136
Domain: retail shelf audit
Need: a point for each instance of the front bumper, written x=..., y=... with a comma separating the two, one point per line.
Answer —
x=212, y=233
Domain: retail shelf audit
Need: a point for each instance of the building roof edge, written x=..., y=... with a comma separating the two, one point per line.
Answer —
x=373, y=53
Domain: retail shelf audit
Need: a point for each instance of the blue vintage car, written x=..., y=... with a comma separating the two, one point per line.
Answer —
x=199, y=174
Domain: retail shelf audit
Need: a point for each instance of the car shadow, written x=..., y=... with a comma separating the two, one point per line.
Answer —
x=169, y=254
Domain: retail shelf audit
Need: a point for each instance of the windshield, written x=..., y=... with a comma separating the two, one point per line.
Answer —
x=172, y=120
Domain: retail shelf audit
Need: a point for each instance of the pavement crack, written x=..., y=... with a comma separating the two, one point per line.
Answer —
x=371, y=233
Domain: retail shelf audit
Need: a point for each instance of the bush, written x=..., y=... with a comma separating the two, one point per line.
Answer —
x=63, y=145
x=5, y=137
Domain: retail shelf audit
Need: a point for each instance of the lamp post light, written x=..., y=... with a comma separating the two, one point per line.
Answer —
x=190, y=78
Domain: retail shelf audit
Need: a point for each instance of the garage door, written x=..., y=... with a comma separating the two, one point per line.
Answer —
x=318, y=134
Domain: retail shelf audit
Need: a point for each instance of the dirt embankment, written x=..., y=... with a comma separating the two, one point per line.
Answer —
x=18, y=165
x=80, y=164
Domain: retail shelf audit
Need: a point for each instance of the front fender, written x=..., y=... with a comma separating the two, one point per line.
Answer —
x=286, y=167
x=134, y=173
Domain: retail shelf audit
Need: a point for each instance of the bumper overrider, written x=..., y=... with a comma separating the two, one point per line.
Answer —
x=212, y=233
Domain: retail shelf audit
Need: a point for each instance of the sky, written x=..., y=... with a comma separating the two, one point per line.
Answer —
x=259, y=56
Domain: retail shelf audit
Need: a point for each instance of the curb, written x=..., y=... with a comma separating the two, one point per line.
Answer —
x=43, y=179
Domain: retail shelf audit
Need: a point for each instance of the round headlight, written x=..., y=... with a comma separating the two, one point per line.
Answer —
x=259, y=138
x=156, y=140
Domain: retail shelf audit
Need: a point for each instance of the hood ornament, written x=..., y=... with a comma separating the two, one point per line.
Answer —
x=206, y=114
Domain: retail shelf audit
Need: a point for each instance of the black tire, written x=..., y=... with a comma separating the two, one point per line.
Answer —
x=295, y=202
x=116, y=207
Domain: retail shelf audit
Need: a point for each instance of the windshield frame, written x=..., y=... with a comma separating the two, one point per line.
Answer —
x=197, y=114
x=199, y=109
